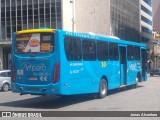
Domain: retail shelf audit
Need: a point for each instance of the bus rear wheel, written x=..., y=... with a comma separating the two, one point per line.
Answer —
x=102, y=88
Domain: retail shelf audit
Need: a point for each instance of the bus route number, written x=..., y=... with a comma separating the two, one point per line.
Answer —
x=46, y=38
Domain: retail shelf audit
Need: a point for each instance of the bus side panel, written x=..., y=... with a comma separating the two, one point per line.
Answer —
x=132, y=72
x=113, y=74
x=84, y=77
x=78, y=77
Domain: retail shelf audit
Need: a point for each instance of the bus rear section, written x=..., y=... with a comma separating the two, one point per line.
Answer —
x=35, y=67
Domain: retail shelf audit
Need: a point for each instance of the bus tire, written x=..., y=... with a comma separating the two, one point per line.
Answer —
x=102, y=88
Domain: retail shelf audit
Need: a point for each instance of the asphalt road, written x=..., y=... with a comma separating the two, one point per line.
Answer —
x=144, y=98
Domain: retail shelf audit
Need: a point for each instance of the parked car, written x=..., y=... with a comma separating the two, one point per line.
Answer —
x=155, y=71
x=5, y=80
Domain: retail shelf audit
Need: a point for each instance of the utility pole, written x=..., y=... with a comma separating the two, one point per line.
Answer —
x=92, y=12
x=73, y=16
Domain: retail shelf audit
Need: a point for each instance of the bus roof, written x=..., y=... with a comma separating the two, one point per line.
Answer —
x=103, y=37
x=41, y=30
x=84, y=35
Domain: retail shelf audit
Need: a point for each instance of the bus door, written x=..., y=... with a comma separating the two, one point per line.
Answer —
x=123, y=66
x=144, y=63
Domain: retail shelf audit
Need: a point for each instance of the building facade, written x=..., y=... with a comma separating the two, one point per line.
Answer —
x=146, y=22
x=156, y=49
x=92, y=16
x=156, y=32
x=119, y=18
x=156, y=14
x=125, y=19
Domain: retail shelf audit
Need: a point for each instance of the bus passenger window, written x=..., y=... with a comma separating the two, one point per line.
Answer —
x=130, y=52
x=72, y=48
x=137, y=53
x=102, y=50
x=89, y=50
x=113, y=51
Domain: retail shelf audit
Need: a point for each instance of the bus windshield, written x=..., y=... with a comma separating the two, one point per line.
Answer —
x=34, y=43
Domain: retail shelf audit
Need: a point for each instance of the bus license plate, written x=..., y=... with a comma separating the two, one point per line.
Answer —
x=32, y=78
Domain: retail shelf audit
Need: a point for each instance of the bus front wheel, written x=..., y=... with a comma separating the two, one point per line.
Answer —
x=102, y=88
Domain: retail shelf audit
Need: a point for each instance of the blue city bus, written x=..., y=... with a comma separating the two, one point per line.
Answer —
x=50, y=61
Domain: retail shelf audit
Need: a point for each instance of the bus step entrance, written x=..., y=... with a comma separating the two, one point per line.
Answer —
x=122, y=86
